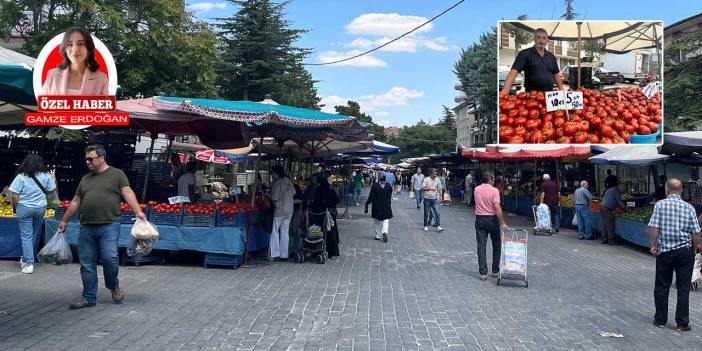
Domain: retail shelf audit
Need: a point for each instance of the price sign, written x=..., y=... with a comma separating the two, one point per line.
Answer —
x=574, y=100
x=652, y=88
x=631, y=204
x=178, y=200
x=555, y=100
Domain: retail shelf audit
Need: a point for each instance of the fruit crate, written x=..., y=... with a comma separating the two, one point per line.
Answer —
x=198, y=220
x=58, y=215
x=166, y=218
x=213, y=259
x=238, y=220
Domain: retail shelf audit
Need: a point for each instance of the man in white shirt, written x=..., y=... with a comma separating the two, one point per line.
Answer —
x=431, y=190
x=417, y=181
x=468, y=187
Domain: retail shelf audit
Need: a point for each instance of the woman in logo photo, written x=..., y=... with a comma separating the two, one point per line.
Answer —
x=78, y=74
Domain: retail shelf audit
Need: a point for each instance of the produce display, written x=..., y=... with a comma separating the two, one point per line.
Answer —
x=567, y=201
x=6, y=211
x=610, y=117
x=124, y=207
x=641, y=214
x=595, y=206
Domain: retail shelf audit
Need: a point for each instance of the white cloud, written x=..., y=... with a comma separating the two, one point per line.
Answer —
x=386, y=24
x=406, y=44
x=206, y=6
x=363, y=61
x=381, y=114
x=331, y=101
x=396, y=96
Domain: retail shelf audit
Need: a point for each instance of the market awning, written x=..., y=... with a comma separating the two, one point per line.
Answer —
x=645, y=36
x=568, y=30
x=525, y=152
x=377, y=148
x=632, y=155
x=681, y=143
x=324, y=148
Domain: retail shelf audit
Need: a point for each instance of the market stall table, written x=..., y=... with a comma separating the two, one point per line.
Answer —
x=10, y=242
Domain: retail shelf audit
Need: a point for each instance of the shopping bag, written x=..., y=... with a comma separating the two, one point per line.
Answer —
x=543, y=217
x=57, y=251
x=411, y=194
x=575, y=220
x=144, y=230
x=697, y=269
x=447, y=197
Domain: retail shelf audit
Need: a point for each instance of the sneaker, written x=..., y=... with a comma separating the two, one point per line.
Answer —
x=494, y=275
x=385, y=237
x=683, y=328
x=483, y=277
x=117, y=295
x=28, y=269
x=377, y=238
x=659, y=325
x=426, y=229
x=439, y=229
x=21, y=262
x=80, y=304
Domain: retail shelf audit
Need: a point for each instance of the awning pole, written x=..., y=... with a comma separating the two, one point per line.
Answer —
x=347, y=213
x=257, y=184
x=579, y=39
x=148, y=167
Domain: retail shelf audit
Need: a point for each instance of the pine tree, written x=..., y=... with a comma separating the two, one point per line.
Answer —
x=259, y=56
x=570, y=13
x=448, y=120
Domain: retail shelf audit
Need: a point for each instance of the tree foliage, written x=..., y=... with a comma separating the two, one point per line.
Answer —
x=683, y=97
x=448, y=120
x=259, y=56
x=476, y=69
x=521, y=37
x=423, y=139
x=158, y=47
x=569, y=13
x=353, y=109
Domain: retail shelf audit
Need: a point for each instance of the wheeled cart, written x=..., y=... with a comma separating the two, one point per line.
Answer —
x=314, y=245
x=513, y=260
x=538, y=230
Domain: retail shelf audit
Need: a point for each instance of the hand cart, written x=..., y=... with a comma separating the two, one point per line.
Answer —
x=316, y=246
x=537, y=230
x=513, y=260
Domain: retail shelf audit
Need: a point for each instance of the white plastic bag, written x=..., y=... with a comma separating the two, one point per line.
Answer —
x=412, y=194
x=56, y=251
x=697, y=269
x=144, y=230
x=575, y=220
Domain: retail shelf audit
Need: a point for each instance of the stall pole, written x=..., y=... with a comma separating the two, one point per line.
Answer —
x=579, y=41
x=658, y=53
x=169, y=148
x=347, y=213
x=148, y=166
x=252, y=201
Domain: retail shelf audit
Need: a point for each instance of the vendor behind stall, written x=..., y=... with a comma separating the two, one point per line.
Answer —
x=660, y=191
x=610, y=201
x=186, y=182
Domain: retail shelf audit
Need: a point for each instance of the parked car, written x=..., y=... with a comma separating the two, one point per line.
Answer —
x=608, y=77
x=518, y=81
x=565, y=72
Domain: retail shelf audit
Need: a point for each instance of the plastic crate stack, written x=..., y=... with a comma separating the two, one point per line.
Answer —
x=239, y=219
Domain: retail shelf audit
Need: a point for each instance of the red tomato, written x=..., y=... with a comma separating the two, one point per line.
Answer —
x=519, y=121
x=594, y=139
x=503, y=119
x=559, y=113
x=581, y=137
x=531, y=124
x=531, y=104
x=585, y=126
x=653, y=127
x=513, y=113
x=536, y=137
x=524, y=113
x=547, y=117
x=534, y=114
x=516, y=139
x=625, y=135
x=644, y=130
x=558, y=122
x=563, y=140
x=618, y=126
x=658, y=119
x=606, y=131
x=570, y=128
x=506, y=132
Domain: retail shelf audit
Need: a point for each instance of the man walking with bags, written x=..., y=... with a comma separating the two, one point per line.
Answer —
x=489, y=219
x=431, y=190
x=98, y=198
x=674, y=232
x=417, y=181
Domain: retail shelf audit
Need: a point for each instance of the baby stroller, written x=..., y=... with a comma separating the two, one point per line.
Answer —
x=314, y=242
x=542, y=219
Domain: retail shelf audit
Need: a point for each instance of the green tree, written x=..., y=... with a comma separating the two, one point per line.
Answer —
x=259, y=56
x=570, y=13
x=448, y=120
x=422, y=139
x=158, y=47
x=594, y=46
x=683, y=97
x=476, y=69
x=521, y=37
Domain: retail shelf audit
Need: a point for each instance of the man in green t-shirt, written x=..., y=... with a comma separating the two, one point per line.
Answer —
x=98, y=198
x=357, y=186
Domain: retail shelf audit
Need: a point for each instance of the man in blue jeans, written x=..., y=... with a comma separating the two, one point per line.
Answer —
x=582, y=200
x=417, y=181
x=98, y=198
x=431, y=189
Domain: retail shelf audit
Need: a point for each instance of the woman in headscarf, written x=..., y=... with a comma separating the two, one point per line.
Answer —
x=325, y=199
x=380, y=197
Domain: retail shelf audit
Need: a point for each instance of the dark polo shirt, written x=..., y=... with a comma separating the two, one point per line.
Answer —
x=538, y=71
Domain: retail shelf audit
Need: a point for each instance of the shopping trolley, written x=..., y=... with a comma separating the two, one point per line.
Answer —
x=513, y=260
x=538, y=229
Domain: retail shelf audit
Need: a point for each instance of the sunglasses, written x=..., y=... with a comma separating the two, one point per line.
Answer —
x=91, y=159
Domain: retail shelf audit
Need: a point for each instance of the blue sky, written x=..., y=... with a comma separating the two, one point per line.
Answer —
x=413, y=80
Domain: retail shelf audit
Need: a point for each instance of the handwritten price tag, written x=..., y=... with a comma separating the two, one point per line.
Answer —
x=574, y=100
x=555, y=100
x=178, y=200
x=652, y=88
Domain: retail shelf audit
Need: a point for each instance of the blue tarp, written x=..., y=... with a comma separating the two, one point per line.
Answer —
x=10, y=242
x=221, y=240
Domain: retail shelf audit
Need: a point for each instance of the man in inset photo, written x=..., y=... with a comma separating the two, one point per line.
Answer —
x=540, y=67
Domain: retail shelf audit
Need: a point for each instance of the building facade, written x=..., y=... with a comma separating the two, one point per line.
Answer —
x=508, y=50
x=471, y=130
x=675, y=32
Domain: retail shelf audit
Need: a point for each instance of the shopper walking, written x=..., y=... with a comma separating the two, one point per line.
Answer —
x=28, y=193
x=282, y=193
x=326, y=199
x=674, y=232
x=381, y=198
x=549, y=196
x=417, y=181
x=582, y=200
x=98, y=198
x=610, y=201
x=431, y=188
x=442, y=181
x=398, y=185
x=357, y=187
x=468, y=187
x=489, y=219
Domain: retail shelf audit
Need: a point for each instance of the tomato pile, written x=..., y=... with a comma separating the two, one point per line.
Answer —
x=200, y=209
x=64, y=203
x=166, y=208
x=124, y=207
x=605, y=119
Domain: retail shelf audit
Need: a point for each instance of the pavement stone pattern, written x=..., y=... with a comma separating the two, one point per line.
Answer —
x=420, y=291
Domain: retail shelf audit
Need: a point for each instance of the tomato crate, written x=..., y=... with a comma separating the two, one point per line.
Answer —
x=58, y=215
x=198, y=220
x=232, y=220
x=166, y=218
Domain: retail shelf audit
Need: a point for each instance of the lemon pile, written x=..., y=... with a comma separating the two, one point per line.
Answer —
x=6, y=210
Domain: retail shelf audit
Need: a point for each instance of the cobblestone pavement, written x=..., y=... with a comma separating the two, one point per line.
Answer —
x=420, y=291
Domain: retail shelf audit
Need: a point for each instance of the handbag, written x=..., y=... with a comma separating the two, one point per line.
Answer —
x=411, y=194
